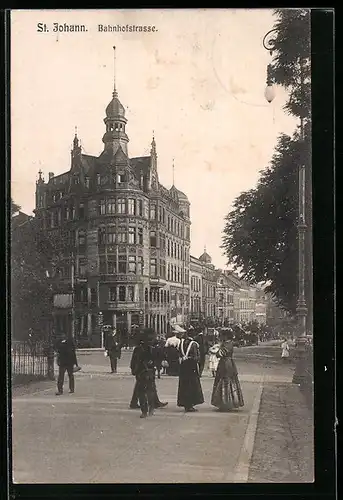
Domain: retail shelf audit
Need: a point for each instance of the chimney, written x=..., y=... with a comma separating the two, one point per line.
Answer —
x=51, y=175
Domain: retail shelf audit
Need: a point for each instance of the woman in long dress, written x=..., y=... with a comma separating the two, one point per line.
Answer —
x=226, y=393
x=189, y=391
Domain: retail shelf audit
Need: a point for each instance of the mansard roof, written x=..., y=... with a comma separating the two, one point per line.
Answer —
x=88, y=162
x=140, y=164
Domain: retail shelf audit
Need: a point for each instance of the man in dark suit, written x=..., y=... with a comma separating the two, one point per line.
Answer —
x=113, y=348
x=66, y=360
x=134, y=404
x=143, y=368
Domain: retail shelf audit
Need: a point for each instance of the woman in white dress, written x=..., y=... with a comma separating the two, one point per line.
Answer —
x=213, y=359
x=285, y=350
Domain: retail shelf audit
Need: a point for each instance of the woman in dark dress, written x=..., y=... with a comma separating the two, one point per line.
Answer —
x=189, y=391
x=226, y=393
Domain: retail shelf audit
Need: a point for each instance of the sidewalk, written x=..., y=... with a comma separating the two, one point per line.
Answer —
x=283, y=448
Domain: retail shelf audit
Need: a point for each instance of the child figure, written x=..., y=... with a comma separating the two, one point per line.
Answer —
x=213, y=359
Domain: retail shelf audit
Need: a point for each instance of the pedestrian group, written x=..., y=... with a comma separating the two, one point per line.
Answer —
x=189, y=353
x=182, y=355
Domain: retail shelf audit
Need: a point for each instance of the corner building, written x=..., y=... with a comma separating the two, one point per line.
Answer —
x=123, y=238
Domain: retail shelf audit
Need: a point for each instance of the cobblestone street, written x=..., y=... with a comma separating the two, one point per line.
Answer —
x=93, y=437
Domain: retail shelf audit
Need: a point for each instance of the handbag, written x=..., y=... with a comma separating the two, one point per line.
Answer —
x=165, y=364
x=76, y=368
x=106, y=354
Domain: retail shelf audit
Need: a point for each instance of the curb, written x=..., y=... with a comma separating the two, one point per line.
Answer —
x=241, y=474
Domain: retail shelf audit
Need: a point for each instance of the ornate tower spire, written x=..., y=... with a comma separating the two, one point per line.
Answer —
x=76, y=151
x=115, y=121
x=115, y=93
x=153, y=144
x=40, y=179
x=76, y=139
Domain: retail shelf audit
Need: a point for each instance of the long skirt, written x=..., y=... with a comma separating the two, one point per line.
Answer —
x=173, y=361
x=227, y=393
x=189, y=392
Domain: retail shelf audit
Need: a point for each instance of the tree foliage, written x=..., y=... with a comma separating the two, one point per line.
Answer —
x=31, y=297
x=291, y=59
x=260, y=233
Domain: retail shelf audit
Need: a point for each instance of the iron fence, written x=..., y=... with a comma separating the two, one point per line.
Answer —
x=31, y=359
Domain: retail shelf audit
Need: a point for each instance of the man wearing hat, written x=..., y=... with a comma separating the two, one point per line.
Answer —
x=113, y=348
x=143, y=368
x=134, y=404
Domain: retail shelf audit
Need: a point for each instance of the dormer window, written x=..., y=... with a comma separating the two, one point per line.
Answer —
x=121, y=178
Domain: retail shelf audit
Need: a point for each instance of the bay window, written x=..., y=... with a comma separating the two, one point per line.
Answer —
x=132, y=264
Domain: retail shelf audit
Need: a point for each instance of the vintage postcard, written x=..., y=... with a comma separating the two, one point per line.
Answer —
x=161, y=235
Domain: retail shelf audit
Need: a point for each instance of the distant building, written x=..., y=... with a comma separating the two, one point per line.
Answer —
x=219, y=297
x=124, y=238
x=261, y=307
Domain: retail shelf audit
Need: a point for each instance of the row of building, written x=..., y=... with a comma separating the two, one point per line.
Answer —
x=123, y=256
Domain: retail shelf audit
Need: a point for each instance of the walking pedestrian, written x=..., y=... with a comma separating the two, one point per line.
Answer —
x=226, y=393
x=143, y=368
x=285, y=350
x=66, y=360
x=113, y=349
x=189, y=390
x=134, y=404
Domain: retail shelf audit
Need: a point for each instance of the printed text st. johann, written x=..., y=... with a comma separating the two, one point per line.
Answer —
x=101, y=28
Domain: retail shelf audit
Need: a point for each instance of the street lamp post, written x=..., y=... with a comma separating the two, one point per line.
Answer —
x=301, y=309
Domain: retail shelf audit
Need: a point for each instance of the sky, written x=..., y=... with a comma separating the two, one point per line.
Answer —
x=197, y=83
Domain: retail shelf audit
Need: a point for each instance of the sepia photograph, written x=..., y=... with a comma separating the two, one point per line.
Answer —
x=161, y=246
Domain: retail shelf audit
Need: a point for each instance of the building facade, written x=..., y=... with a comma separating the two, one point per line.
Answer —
x=124, y=238
x=219, y=297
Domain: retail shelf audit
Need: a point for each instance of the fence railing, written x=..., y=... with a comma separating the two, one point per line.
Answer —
x=31, y=359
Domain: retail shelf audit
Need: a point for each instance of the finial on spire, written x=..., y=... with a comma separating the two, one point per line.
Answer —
x=115, y=93
x=76, y=140
x=204, y=248
x=153, y=143
x=173, y=172
x=40, y=174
